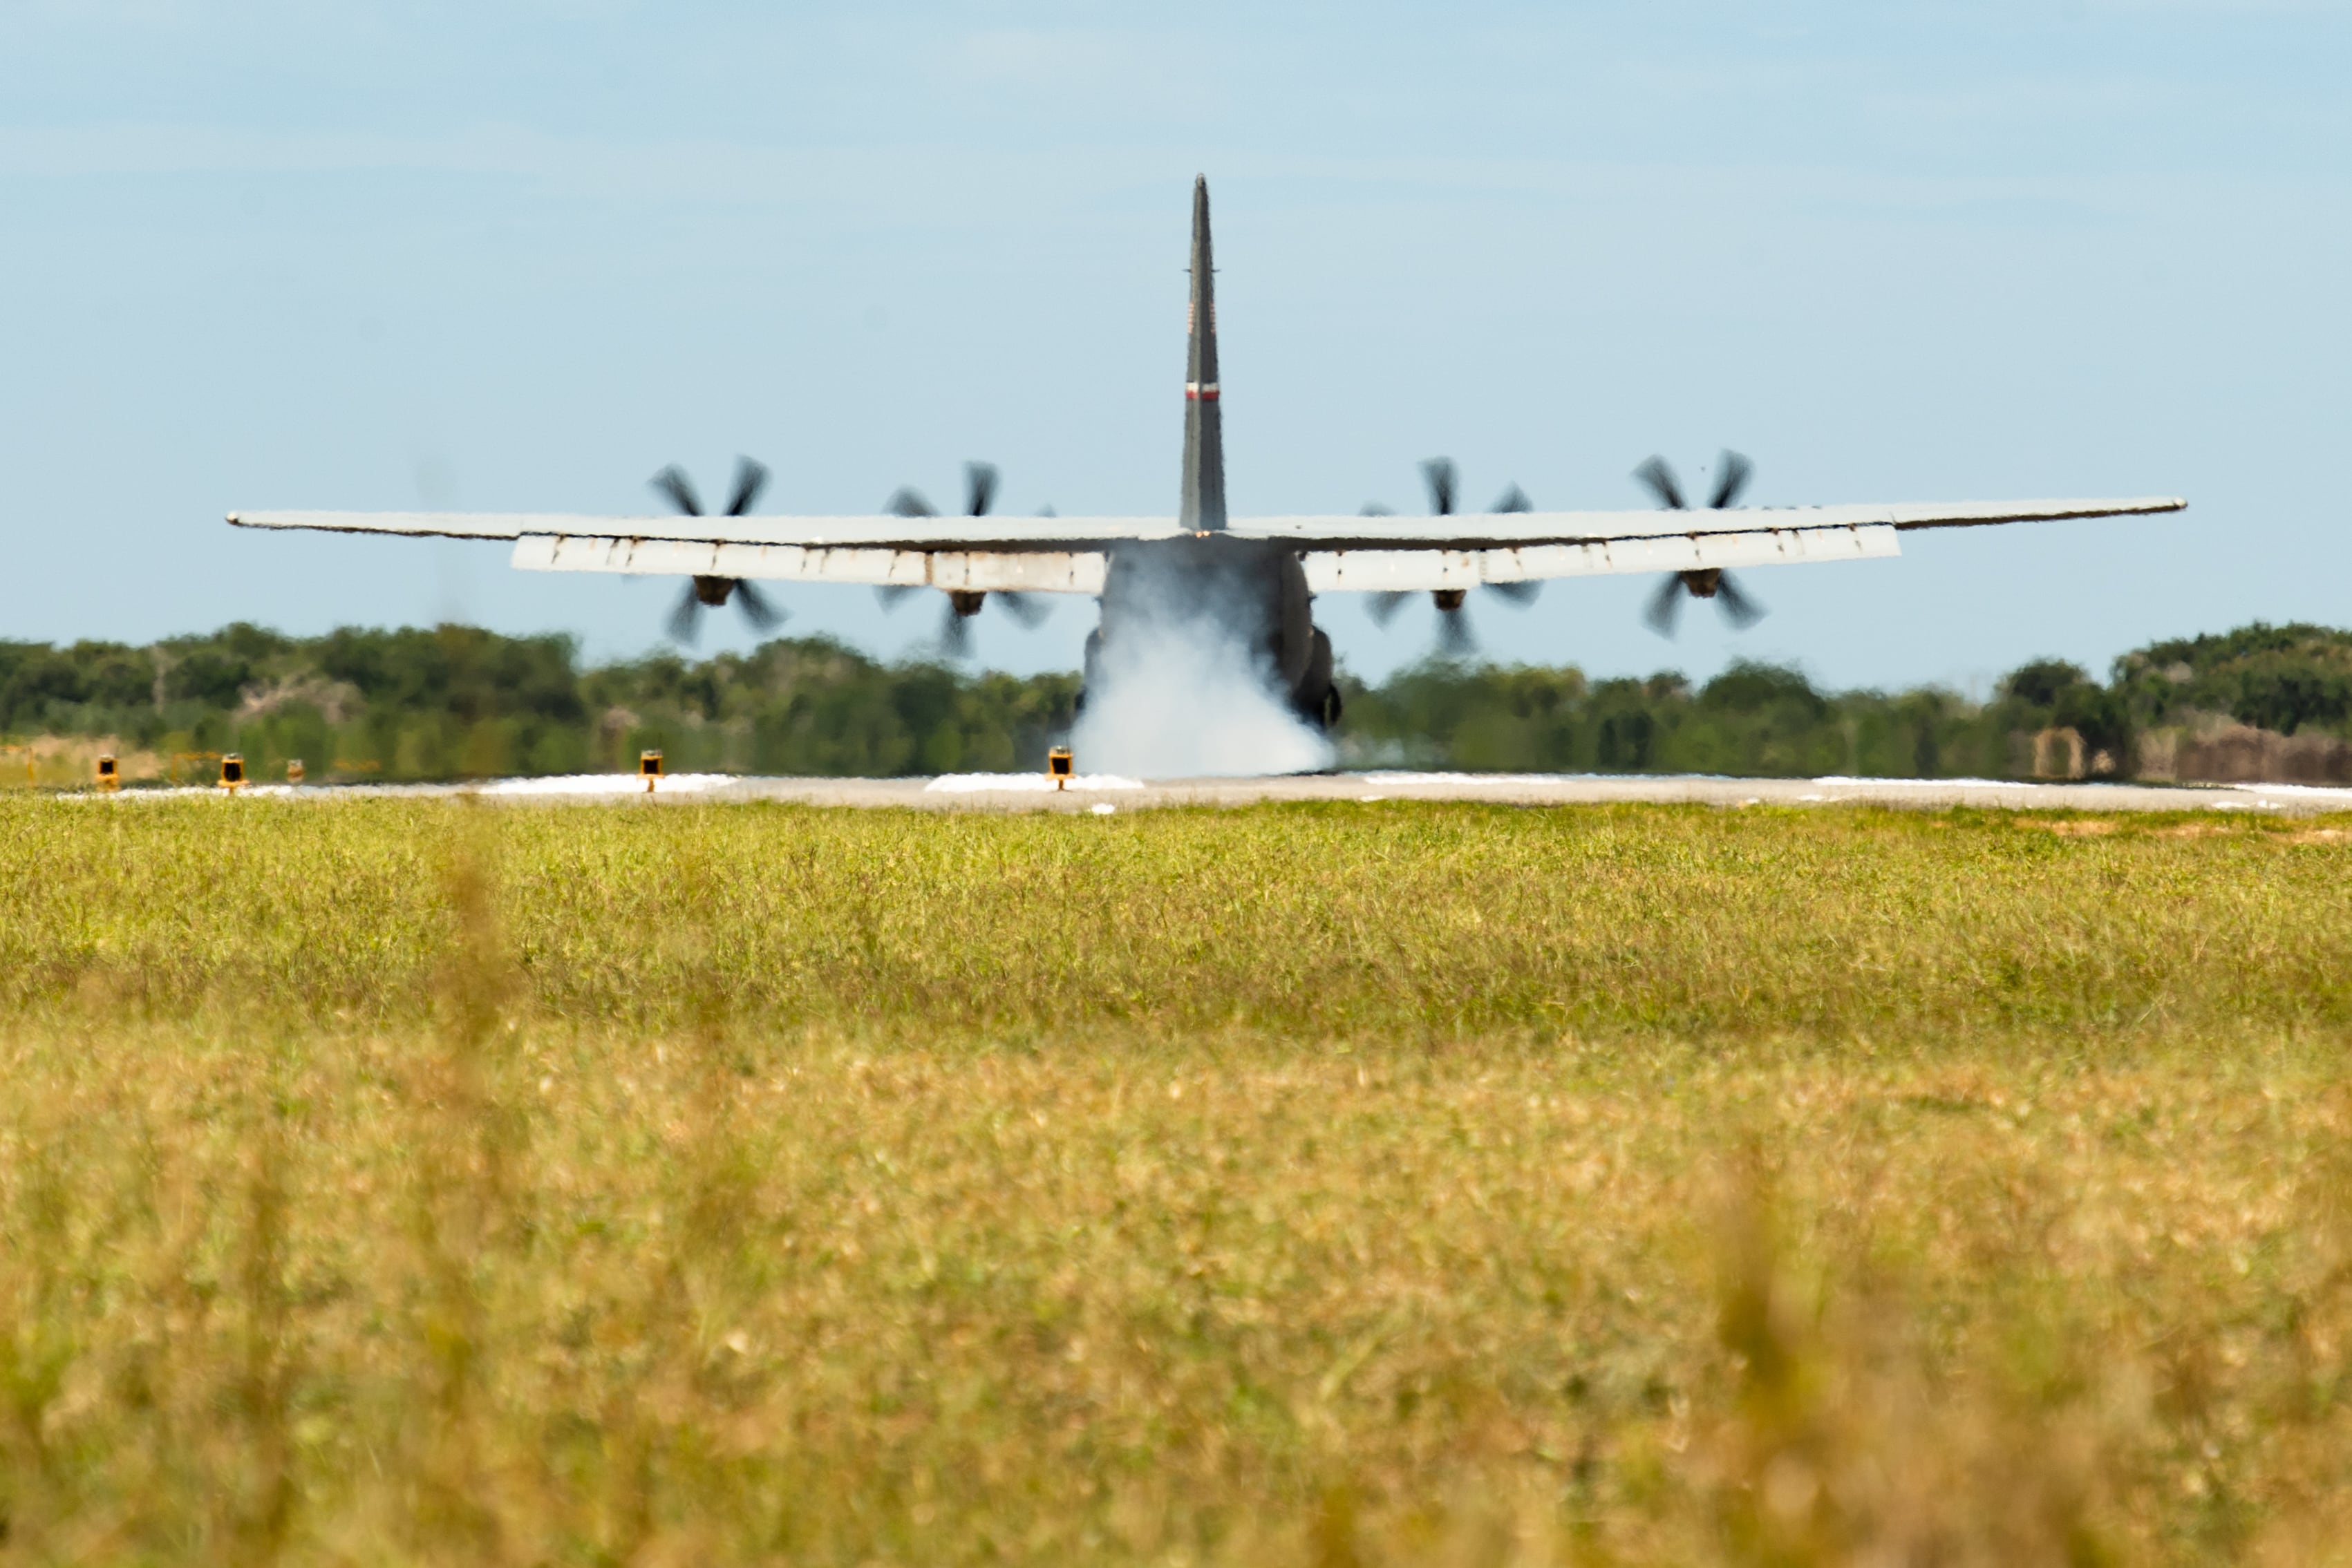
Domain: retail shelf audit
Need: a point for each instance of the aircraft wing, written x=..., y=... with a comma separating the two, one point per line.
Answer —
x=987, y=554
x=1390, y=554
x=885, y=530
x=1070, y=555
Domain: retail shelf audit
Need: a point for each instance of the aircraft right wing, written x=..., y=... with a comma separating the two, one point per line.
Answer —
x=1393, y=554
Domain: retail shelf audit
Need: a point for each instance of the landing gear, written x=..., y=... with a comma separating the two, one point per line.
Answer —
x=1316, y=696
x=1090, y=669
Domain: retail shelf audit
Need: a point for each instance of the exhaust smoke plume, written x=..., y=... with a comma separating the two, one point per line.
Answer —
x=1186, y=700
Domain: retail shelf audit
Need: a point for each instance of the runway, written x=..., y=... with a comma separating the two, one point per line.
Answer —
x=1106, y=795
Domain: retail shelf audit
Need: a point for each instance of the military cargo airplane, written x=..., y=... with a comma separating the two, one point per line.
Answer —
x=1249, y=580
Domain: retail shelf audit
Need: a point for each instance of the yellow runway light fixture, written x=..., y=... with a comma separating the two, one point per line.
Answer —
x=232, y=777
x=649, y=768
x=293, y=771
x=109, y=772
x=1057, y=767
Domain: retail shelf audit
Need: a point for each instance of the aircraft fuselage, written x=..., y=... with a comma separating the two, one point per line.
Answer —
x=1208, y=584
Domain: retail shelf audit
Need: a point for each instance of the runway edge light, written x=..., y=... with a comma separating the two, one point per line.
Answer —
x=232, y=771
x=1057, y=767
x=649, y=768
x=294, y=770
x=109, y=773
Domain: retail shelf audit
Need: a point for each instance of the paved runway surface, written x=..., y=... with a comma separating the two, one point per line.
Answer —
x=1105, y=794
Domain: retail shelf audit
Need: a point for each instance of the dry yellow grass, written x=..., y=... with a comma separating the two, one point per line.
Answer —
x=390, y=1183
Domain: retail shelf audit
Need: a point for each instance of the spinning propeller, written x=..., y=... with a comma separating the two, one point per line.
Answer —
x=955, y=634
x=1711, y=582
x=1455, y=639
x=709, y=593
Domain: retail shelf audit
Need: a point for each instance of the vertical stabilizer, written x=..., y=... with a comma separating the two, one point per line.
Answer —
x=1203, y=504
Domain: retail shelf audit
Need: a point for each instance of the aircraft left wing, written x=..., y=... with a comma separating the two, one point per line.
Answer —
x=1070, y=555
x=984, y=554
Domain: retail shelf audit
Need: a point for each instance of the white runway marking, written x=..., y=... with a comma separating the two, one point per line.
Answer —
x=986, y=783
x=1036, y=792
x=577, y=785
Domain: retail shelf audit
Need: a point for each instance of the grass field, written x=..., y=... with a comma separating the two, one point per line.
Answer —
x=412, y=1182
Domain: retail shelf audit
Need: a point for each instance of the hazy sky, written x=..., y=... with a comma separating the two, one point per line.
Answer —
x=521, y=256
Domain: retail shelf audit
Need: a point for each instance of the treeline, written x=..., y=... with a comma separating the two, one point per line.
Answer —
x=2259, y=703
x=458, y=702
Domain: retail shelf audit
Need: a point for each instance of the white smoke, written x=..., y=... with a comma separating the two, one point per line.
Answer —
x=1182, y=700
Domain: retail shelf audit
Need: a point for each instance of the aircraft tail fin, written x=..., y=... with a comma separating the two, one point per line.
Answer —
x=1203, y=504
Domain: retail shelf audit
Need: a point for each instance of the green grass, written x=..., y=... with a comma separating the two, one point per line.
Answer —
x=388, y=1181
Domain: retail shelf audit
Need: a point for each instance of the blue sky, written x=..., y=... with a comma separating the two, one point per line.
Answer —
x=521, y=255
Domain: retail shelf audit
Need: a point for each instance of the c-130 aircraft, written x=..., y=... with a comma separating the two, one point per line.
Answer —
x=1204, y=577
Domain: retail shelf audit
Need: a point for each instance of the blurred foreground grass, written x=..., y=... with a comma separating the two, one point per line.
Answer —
x=388, y=1181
